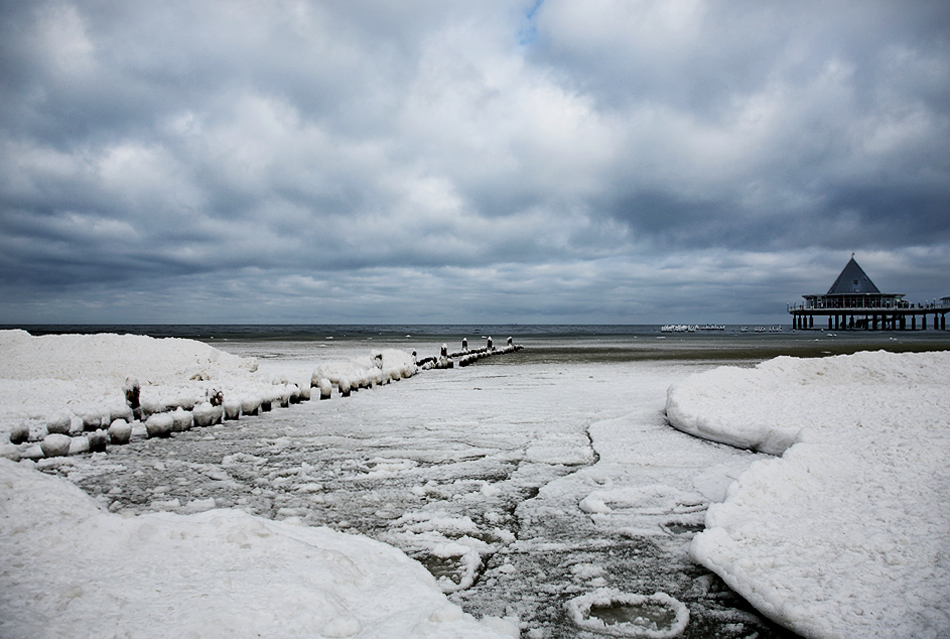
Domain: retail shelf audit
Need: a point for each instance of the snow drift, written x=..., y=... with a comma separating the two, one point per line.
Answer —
x=847, y=533
x=73, y=570
x=56, y=383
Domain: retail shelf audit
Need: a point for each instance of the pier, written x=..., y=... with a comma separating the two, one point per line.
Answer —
x=854, y=303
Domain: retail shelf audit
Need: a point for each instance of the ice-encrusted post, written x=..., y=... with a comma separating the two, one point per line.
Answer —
x=251, y=405
x=232, y=409
x=132, y=392
x=159, y=425
x=59, y=423
x=98, y=440
x=21, y=433
x=55, y=445
x=120, y=432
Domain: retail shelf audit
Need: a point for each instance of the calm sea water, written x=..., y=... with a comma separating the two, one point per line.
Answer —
x=548, y=343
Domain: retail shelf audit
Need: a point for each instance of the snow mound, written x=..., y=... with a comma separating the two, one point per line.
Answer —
x=51, y=381
x=847, y=533
x=72, y=569
x=765, y=407
x=112, y=357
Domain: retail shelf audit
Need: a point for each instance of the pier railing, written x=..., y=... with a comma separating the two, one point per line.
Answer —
x=845, y=306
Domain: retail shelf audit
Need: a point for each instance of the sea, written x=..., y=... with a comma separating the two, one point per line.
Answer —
x=545, y=342
x=521, y=482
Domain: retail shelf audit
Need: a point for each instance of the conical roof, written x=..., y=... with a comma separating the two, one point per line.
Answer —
x=853, y=279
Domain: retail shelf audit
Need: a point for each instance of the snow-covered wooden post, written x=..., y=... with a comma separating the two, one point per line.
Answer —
x=21, y=433
x=132, y=392
x=120, y=432
x=98, y=440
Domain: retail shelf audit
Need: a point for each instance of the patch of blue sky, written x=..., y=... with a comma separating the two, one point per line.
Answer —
x=528, y=31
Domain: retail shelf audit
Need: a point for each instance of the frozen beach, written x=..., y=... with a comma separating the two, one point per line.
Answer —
x=544, y=491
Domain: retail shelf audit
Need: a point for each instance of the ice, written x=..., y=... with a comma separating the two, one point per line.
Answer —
x=74, y=570
x=380, y=367
x=611, y=612
x=522, y=484
x=847, y=533
x=56, y=445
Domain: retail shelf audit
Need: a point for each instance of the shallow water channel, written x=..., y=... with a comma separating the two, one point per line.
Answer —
x=522, y=485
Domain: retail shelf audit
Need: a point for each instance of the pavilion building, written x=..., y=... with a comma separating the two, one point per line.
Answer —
x=854, y=303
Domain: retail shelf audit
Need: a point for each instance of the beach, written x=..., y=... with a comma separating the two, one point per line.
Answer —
x=533, y=486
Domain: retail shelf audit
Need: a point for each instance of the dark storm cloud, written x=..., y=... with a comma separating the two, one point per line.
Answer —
x=751, y=123
x=452, y=161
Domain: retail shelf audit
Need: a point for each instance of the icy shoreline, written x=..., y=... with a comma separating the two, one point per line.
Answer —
x=81, y=571
x=872, y=455
x=846, y=534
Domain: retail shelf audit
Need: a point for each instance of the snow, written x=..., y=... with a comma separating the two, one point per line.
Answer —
x=440, y=468
x=847, y=533
x=82, y=379
x=380, y=367
x=532, y=483
x=73, y=570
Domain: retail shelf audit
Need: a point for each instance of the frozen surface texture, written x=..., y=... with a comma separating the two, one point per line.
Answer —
x=73, y=570
x=519, y=483
x=847, y=534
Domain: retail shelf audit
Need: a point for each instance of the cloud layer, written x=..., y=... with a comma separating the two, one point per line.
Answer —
x=605, y=162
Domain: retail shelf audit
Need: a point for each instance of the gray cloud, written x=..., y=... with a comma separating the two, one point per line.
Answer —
x=433, y=161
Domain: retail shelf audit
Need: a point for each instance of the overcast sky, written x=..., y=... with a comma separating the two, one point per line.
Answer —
x=595, y=161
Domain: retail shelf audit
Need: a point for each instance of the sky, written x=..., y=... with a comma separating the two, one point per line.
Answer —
x=442, y=161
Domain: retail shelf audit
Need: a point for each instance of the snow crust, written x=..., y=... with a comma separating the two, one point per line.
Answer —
x=847, y=534
x=74, y=570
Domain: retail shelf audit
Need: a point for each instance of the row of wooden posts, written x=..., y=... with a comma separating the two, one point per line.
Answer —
x=161, y=421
